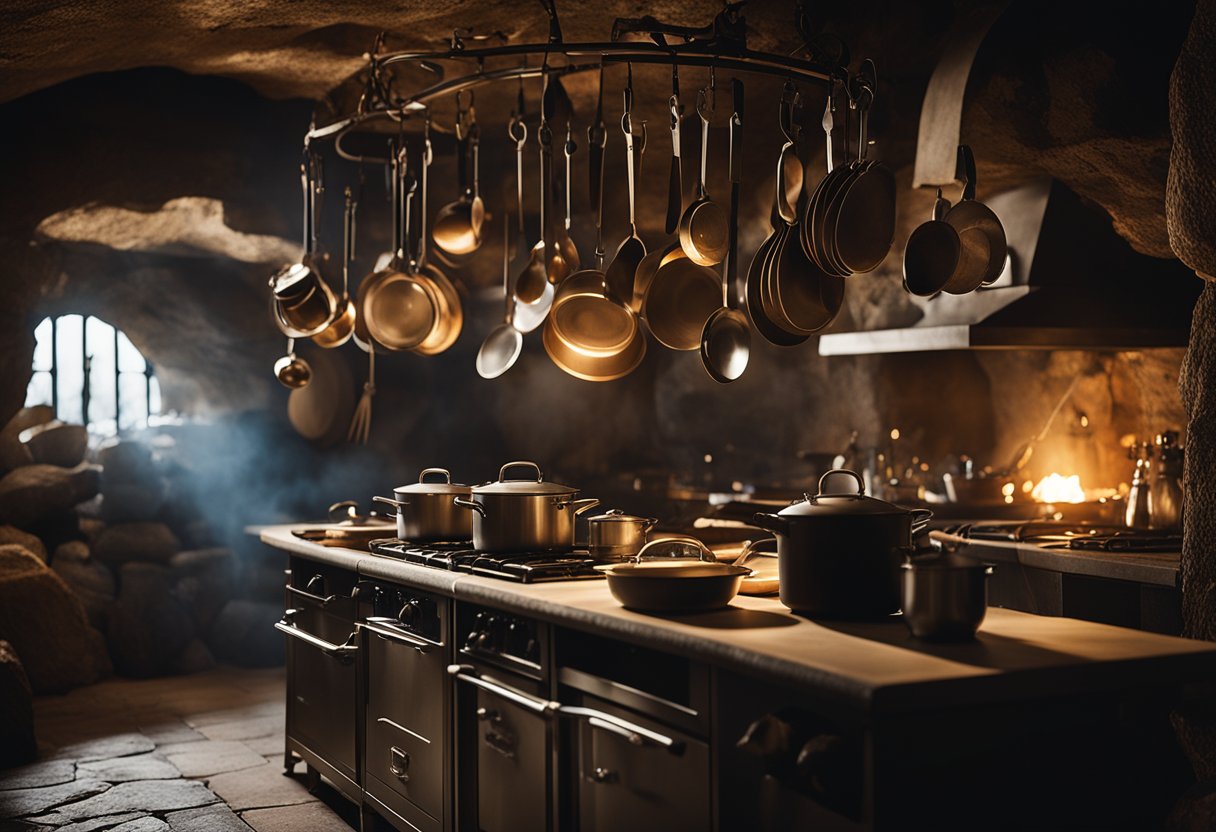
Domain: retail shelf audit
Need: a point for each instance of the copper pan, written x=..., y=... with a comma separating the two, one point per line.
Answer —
x=594, y=368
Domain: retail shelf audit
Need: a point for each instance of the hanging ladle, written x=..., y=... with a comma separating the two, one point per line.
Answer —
x=703, y=229
x=457, y=227
x=623, y=268
x=291, y=370
x=726, y=341
x=502, y=346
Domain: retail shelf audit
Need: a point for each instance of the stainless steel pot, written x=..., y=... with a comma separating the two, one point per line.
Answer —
x=686, y=580
x=523, y=515
x=945, y=597
x=839, y=555
x=615, y=536
x=425, y=512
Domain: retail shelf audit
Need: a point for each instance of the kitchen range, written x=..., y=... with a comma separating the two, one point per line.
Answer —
x=514, y=679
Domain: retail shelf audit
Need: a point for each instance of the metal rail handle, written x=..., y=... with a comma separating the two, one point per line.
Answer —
x=343, y=652
x=634, y=734
x=386, y=629
x=325, y=600
x=543, y=707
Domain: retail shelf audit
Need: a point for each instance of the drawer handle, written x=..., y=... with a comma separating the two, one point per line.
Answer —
x=324, y=601
x=504, y=745
x=399, y=763
x=464, y=673
x=633, y=734
x=382, y=628
x=341, y=652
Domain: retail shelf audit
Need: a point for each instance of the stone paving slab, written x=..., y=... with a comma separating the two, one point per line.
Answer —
x=245, y=729
x=314, y=817
x=268, y=746
x=147, y=796
x=207, y=757
x=102, y=823
x=38, y=775
x=167, y=728
x=142, y=825
x=258, y=788
x=214, y=818
x=104, y=748
x=139, y=767
x=25, y=802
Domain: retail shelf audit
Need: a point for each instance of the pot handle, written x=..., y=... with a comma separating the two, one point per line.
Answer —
x=473, y=505
x=502, y=472
x=920, y=519
x=703, y=551
x=390, y=502
x=447, y=475
x=861, y=484
x=580, y=506
x=772, y=522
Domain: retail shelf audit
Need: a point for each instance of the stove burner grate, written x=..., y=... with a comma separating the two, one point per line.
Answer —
x=535, y=567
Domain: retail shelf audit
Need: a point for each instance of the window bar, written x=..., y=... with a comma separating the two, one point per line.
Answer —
x=117, y=387
x=84, y=351
x=147, y=392
x=55, y=365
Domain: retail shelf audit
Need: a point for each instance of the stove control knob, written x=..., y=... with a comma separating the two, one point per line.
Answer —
x=410, y=614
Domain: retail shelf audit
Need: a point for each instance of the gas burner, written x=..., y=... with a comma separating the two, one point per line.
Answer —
x=526, y=568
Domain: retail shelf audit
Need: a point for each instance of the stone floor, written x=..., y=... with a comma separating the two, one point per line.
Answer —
x=200, y=753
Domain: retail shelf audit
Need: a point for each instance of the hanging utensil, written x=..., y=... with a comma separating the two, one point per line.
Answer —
x=812, y=217
x=703, y=227
x=564, y=243
x=533, y=291
x=932, y=253
x=449, y=312
x=556, y=267
x=675, y=185
x=755, y=277
x=502, y=346
x=301, y=302
x=625, y=262
x=291, y=370
x=983, y=246
x=790, y=173
x=400, y=310
x=457, y=227
x=361, y=423
x=726, y=340
x=342, y=327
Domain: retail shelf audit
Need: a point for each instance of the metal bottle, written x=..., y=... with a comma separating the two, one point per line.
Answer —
x=1137, y=515
x=1165, y=496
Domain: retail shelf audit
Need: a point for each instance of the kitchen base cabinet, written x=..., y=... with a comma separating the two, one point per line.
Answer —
x=322, y=673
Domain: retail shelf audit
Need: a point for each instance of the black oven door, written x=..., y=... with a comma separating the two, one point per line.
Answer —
x=514, y=749
x=635, y=774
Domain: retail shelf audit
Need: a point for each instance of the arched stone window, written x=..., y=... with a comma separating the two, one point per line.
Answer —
x=92, y=374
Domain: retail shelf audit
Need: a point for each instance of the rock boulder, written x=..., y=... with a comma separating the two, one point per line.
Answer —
x=89, y=578
x=13, y=452
x=57, y=443
x=149, y=627
x=35, y=492
x=17, y=743
x=46, y=624
x=10, y=534
x=128, y=542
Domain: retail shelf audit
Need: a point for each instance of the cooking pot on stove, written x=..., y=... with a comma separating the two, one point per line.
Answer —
x=615, y=535
x=523, y=515
x=839, y=554
x=425, y=512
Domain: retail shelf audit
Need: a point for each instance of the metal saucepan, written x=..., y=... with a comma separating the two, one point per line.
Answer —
x=523, y=515
x=703, y=231
x=679, y=300
x=449, y=311
x=398, y=310
x=302, y=304
x=753, y=286
x=458, y=224
x=615, y=536
x=931, y=256
x=945, y=597
x=982, y=242
x=839, y=554
x=425, y=511
x=689, y=582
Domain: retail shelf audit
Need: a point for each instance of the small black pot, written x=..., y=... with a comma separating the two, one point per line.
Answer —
x=839, y=555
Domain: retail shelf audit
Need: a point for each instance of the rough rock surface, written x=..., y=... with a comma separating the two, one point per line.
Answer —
x=148, y=626
x=47, y=626
x=13, y=452
x=17, y=742
x=57, y=443
x=243, y=634
x=9, y=534
x=128, y=542
x=35, y=492
x=89, y=578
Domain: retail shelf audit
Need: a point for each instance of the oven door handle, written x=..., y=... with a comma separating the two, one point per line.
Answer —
x=382, y=628
x=342, y=652
x=323, y=600
x=633, y=734
x=543, y=707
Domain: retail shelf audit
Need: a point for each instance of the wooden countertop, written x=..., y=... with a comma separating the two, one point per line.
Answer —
x=870, y=667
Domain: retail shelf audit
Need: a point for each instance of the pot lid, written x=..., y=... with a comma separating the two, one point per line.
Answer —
x=440, y=482
x=532, y=485
x=840, y=504
x=617, y=516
